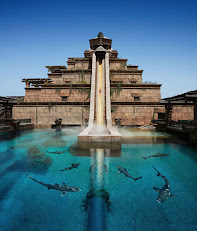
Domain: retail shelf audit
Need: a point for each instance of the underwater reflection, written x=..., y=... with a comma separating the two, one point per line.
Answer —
x=54, y=142
x=83, y=148
x=97, y=199
x=9, y=135
x=98, y=168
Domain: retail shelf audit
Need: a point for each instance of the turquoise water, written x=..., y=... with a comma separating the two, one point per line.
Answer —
x=27, y=205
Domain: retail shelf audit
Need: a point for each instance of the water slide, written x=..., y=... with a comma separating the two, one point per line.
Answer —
x=100, y=124
x=100, y=95
x=97, y=198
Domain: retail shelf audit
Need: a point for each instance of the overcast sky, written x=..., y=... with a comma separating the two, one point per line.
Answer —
x=158, y=35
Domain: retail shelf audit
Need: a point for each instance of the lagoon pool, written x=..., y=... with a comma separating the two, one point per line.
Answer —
x=114, y=202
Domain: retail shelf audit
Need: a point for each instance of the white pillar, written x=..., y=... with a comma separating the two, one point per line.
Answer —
x=92, y=94
x=108, y=100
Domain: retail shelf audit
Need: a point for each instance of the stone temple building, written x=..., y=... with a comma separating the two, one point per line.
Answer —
x=66, y=93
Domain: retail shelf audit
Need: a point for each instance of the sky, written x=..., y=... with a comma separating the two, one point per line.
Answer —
x=158, y=35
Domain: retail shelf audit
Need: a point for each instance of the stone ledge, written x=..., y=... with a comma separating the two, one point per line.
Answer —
x=85, y=136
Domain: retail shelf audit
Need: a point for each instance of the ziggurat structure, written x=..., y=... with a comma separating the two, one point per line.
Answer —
x=72, y=93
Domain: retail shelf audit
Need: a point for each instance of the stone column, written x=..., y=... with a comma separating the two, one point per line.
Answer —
x=108, y=100
x=92, y=94
x=27, y=84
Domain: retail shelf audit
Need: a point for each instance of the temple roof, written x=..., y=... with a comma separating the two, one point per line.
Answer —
x=185, y=96
x=7, y=100
x=100, y=40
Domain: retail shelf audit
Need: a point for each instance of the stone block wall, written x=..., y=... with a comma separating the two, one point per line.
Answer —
x=78, y=63
x=84, y=76
x=32, y=95
x=182, y=113
x=56, y=94
x=142, y=115
x=73, y=77
x=83, y=65
x=128, y=94
x=117, y=64
x=56, y=78
x=45, y=115
x=134, y=115
x=126, y=78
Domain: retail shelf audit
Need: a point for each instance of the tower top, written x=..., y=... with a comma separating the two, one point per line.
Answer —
x=100, y=40
x=100, y=35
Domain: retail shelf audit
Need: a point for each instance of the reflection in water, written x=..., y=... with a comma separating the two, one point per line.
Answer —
x=99, y=169
x=54, y=142
x=127, y=132
x=97, y=199
x=105, y=166
x=9, y=135
x=83, y=148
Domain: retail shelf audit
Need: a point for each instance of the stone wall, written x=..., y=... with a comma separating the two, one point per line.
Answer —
x=81, y=94
x=134, y=115
x=128, y=94
x=83, y=65
x=142, y=115
x=56, y=94
x=126, y=77
x=42, y=115
x=78, y=63
x=117, y=64
x=182, y=113
x=79, y=76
